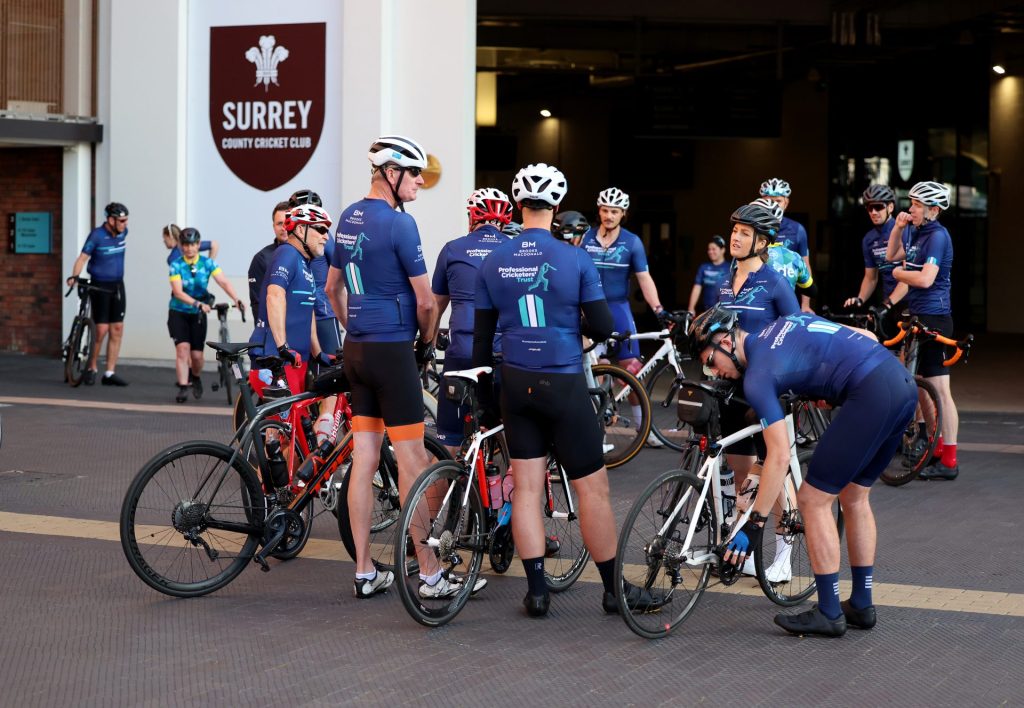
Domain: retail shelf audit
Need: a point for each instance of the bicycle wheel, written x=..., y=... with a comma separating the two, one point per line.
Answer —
x=447, y=535
x=810, y=422
x=663, y=389
x=624, y=435
x=190, y=522
x=386, y=506
x=562, y=567
x=80, y=344
x=652, y=552
x=429, y=412
x=919, y=439
x=781, y=562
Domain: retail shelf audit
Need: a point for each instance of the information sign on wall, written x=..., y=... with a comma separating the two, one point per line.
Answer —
x=30, y=232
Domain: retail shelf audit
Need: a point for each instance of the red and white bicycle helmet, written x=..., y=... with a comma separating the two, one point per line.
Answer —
x=306, y=214
x=613, y=197
x=489, y=204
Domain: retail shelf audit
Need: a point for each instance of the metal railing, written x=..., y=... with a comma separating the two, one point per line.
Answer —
x=32, y=56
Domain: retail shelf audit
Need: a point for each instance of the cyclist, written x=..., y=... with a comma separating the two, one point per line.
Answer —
x=455, y=282
x=811, y=356
x=570, y=226
x=104, y=252
x=880, y=202
x=788, y=262
x=258, y=266
x=186, y=319
x=533, y=288
x=926, y=250
x=171, y=234
x=617, y=253
x=709, y=276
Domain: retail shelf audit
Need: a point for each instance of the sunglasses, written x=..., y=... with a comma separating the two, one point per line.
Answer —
x=875, y=207
x=320, y=229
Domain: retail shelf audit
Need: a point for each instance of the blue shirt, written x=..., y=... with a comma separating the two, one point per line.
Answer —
x=322, y=310
x=874, y=245
x=455, y=276
x=617, y=262
x=537, y=283
x=807, y=355
x=793, y=236
x=710, y=278
x=289, y=270
x=106, y=254
x=175, y=252
x=930, y=244
x=790, y=266
x=195, y=280
x=764, y=297
x=378, y=249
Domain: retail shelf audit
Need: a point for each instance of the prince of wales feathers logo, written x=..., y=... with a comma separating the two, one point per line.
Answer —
x=266, y=59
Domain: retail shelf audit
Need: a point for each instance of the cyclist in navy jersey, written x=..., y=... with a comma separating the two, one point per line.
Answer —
x=926, y=249
x=534, y=289
x=880, y=202
x=455, y=282
x=792, y=234
x=571, y=226
x=811, y=356
x=104, y=252
x=258, y=265
x=710, y=276
x=170, y=236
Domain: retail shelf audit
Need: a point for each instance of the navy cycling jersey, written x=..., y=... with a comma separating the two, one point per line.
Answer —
x=290, y=270
x=455, y=276
x=106, y=254
x=874, y=245
x=765, y=296
x=322, y=310
x=930, y=244
x=537, y=284
x=617, y=262
x=710, y=278
x=807, y=355
x=175, y=252
x=378, y=249
x=793, y=236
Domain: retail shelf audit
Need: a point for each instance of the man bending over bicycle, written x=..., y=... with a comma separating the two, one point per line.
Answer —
x=814, y=357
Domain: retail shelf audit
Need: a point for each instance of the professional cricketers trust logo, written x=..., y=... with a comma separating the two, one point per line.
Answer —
x=267, y=123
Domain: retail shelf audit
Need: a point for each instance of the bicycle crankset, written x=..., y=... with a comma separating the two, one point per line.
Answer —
x=502, y=549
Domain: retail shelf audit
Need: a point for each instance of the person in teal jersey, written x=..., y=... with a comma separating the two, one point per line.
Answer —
x=190, y=276
x=787, y=262
x=710, y=275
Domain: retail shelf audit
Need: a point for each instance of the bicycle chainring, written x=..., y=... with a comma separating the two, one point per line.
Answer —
x=502, y=549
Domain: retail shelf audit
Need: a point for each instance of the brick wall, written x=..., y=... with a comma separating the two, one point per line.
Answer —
x=30, y=284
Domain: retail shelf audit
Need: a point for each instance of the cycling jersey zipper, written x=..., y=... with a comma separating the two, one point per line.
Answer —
x=398, y=304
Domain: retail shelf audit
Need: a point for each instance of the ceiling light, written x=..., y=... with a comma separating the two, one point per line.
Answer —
x=998, y=68
x=545, y=112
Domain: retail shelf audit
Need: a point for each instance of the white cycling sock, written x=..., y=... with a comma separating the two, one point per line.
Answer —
x=367, y=576
x=431, y=579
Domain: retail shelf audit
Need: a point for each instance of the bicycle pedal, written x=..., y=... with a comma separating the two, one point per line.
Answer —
x=215, y=387
x=259, y=560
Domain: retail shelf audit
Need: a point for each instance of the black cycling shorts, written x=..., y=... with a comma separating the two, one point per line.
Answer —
x=184, y=327
x=551, y=413
x=108, y=301
x=931, y=354
x=385, y=385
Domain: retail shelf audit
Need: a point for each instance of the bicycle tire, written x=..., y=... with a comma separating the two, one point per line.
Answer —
x=386, y=505
x=800, y=584
x=80, y=346
x=809, y=423
x=146, y=545
x=434, y=511
x=613, y=411
x=662, y=390
x=652, y=560
x=916, y=448
x=563, y=567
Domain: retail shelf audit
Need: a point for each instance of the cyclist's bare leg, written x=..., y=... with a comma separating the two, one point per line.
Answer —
x=632, y=366
x=820, y=529
x=861, y=534
x=181, y=362
x=114, y=344
x=365, y=459
x=102, y=330
x=527, y=518
x=741, y=466
x=412, y=459
x=597, y=522
x=950, y=417
x=197, y=362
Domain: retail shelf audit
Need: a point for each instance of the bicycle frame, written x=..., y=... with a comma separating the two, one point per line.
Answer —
x=666, y=350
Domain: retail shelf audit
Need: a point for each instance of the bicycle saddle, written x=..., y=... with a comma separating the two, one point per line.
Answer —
x=469, y=374
x=235, y=349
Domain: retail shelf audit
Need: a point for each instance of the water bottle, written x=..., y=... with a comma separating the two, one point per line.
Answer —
x=508, y=485
x=278, y=465
x=746, y=495
x=493, y=486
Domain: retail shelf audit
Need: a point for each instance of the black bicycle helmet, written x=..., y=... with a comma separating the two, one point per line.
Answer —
x=879, y=193
x=116, y=210
x=570, y=224
x=189, y=235
x=304, y=196
x=717, y=320
x=764, y=222
x=717, y=240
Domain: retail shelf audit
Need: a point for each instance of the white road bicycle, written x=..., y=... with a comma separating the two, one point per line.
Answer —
x=611, y=389
x=663, y=376
x=675, y=534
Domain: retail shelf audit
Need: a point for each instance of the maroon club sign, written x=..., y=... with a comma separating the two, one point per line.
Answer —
x=267, y=99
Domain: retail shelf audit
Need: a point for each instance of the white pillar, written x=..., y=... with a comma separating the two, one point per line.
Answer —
x=77, y=218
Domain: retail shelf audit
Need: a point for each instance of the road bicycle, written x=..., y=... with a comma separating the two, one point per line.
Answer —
x=198, y=512
x=78, y=347
x=225, y=378
x=611, y=387
x=922, y=433
x=677, y=529
x=663, y=376
x=451, y=520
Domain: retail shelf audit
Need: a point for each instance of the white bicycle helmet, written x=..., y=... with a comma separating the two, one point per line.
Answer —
x=539, y=182
x=613, y=197
x=775, y=187
x=770, y=205
x=931, y=194
x=489, y=204
x=402, y=151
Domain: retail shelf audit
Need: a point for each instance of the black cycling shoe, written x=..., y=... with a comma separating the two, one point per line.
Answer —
x=197, y=387
x=182, y=394
x=939, y=471
x=637, y=600
x=537, y=605
x=812, y=622
x=113, y=380
x=89, y=377
x=864, y=618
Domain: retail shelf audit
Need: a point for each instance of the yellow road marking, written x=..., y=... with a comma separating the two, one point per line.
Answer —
x=885, y=594
x=137, y=407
